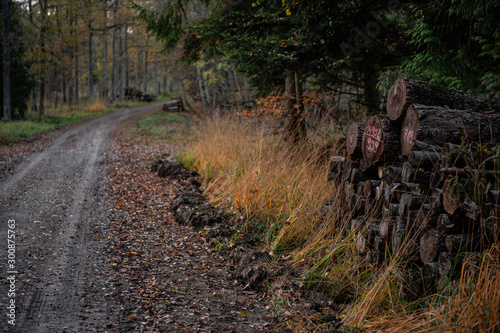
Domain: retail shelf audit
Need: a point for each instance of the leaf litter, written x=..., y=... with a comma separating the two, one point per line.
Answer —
x=162, y=276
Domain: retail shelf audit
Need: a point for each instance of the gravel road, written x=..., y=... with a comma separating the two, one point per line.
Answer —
x=55, y=198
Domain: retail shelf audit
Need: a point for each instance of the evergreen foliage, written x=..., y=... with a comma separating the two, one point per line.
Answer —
x=456, y=43
x=22, y=81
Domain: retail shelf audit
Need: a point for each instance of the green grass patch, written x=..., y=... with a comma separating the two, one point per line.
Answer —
x=164, y=126
x=15, y=131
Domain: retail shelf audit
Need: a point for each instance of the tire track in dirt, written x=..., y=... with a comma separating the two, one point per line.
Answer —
x=56, y=200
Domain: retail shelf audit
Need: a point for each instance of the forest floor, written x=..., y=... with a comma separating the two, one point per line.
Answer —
x=96, y=247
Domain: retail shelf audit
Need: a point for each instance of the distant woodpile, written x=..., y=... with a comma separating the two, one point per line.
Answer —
x=134, y=94
x=423, y=182
x=174, y=105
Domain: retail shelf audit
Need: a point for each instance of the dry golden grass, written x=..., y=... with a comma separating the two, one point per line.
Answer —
x=281, y=187
x=280, y=191
x=98, y=106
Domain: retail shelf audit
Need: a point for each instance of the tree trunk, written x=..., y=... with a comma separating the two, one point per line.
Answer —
x=246, y=90
x=381, y=140
x=7, y=105
x=105, y=87
x=126, y=60
x=158, y=78
x=91, y=63
x=238, y=87
x=355, y=140
x=200, y=85
x=63, y=87
x=70, y=81
x=436, y=126
x=165, y=77
x=43, y=29
x=32, y=49
x=371, y=93
x=138, y=82
x=145, y=82
x=121, y=76
x=77, y=79
x=207, y=94
x=232, y=92
x=115, y=65
x=406, y=92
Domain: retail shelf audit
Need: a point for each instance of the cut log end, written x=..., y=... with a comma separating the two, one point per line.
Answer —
x=431, y=245
x=354, y=140
x=381, y=140
x=450, y=198
x=396, y=100
x=373, y=140
x=409, y=130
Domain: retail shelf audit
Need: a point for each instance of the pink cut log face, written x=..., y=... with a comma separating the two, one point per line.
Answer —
x=409, y=130
x=373, y=140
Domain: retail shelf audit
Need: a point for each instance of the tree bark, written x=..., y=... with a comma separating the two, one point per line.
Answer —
x=77, y=78
x=436, y=126
x=200, y=85
x=460, y=243
x=415, y=175
x=424, y=159
x=232, y=92
x=126, y=60
x=121, y=90
x=91, y=62
x=371, y=93
x=42, y=77
x=105, y=87
x=145, y=80
x=406, y=92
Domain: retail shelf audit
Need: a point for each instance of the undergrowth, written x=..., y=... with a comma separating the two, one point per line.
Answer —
x=281, y=190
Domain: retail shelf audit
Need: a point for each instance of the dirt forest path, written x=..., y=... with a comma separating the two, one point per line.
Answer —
x=76, y=265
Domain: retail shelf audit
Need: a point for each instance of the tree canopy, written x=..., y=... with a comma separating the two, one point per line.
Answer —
x=451, y=42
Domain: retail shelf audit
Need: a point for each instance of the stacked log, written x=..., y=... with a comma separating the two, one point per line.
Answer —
x=174, y=105
x=407, y=177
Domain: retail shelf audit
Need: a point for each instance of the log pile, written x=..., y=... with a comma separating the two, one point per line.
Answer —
x=174, y=105
x=413, y=180
x=134, y=94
